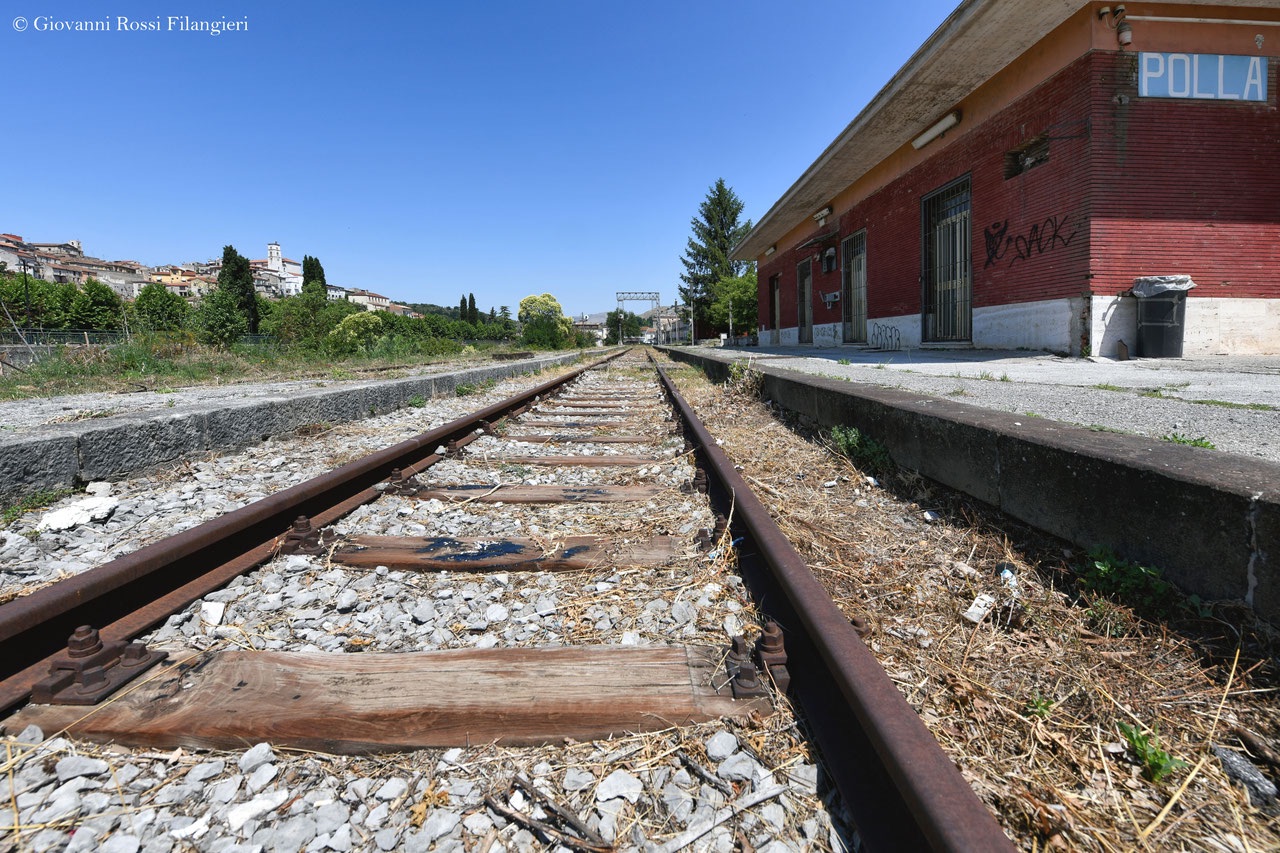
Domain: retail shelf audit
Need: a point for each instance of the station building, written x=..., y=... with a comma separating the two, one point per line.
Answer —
x=1027, y=164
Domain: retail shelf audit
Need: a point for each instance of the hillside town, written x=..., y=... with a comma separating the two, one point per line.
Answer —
x=274, y=277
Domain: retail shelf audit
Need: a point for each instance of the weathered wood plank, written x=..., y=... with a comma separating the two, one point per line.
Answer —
x=580, y=413
x=446, y=554
x=594, y=403
x=550, y=438
x=619, y=460
x=622, y=396
x=520, y=494
x=358, y=703
x=538, y=422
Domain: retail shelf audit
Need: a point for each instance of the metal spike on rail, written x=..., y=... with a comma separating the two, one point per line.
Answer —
x=773, y=655
x=739, y=655
x=90, y=670
x=400, y=483
x=302, y=538
x=746, y=682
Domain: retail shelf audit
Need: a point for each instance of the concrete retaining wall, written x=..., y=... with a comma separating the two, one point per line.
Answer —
x=108, y=448
x=1209, y=521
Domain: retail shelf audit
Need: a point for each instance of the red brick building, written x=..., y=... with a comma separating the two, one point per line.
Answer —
x=1029, y=162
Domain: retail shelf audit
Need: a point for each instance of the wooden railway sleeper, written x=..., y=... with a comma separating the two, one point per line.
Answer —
x=89, y=670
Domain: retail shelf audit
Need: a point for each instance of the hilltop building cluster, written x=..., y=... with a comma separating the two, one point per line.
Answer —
x=275, y=276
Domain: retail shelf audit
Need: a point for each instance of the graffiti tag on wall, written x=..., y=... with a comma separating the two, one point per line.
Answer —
x=1040, y=238
x=884, y=337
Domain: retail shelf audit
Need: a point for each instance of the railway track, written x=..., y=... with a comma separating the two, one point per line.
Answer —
x=573, y=567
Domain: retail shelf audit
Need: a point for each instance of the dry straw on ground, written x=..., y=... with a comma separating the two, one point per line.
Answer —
x=1030, y=701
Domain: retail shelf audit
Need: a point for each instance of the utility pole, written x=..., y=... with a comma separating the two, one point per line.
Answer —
x=730, y=319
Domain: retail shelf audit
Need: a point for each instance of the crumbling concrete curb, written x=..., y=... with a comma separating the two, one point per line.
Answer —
x=107, y=448
x=1209, y=520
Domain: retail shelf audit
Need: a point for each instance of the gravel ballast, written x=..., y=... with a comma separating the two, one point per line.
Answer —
x=706, y=786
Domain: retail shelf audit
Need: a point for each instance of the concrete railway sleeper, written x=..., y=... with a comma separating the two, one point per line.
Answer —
x=552, y=573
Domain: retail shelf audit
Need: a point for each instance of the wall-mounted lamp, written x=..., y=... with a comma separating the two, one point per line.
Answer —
x=1115, y=21
x=769, y=251
x=944, y=124
x=821, y=216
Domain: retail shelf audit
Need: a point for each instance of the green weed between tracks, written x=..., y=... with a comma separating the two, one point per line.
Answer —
x=1156, y=763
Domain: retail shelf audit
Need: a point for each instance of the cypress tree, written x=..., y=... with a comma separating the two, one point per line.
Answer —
x=236, y=278
x=313, y=277
x=473, y=316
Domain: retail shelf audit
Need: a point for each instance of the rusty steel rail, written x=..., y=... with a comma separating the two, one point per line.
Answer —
x=902, y=790
x=131, y=594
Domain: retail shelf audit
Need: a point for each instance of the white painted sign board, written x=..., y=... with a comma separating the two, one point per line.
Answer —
x=1202, y=76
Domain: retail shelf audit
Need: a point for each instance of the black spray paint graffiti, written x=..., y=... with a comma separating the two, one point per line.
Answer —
x=1040, y=239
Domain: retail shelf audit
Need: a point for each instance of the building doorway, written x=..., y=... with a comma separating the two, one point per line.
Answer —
x=804, y=301
x=775, y=307
x=854, y=274
x=947, y=307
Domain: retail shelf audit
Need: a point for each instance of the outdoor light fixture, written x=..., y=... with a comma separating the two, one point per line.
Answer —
x=769, y=251
x=821, y=216
x=944, y=124
x=1115, y=20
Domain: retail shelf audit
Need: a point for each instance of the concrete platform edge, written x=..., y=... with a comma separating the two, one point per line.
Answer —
x=1210, y=521
x=74, y=454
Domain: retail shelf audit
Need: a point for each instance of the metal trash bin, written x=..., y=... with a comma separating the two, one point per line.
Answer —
x=1162, y=311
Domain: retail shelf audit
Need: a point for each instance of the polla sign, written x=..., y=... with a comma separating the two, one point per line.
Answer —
x=1203, y=76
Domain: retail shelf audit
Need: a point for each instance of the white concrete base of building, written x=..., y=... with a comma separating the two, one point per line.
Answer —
x=1214, y=326
x=1051, y=324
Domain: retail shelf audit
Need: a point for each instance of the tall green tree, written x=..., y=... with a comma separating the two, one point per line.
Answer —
x=473, y=316
x=313, y=277
x=159, y=309
x=715, y=231
x=49, y=303
x=220, y=321
x=97, y=306
x=619, y=319
x=235, y=280
x=462, y=309
x=737, y=295
x=544, y=322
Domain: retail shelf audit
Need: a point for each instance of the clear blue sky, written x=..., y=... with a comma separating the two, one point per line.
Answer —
x=427, y=150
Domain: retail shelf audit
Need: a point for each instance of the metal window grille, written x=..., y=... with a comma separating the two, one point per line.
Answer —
x=854, y=273
x=947, y=273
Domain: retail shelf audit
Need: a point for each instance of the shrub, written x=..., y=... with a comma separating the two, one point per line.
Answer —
x=864, y=451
